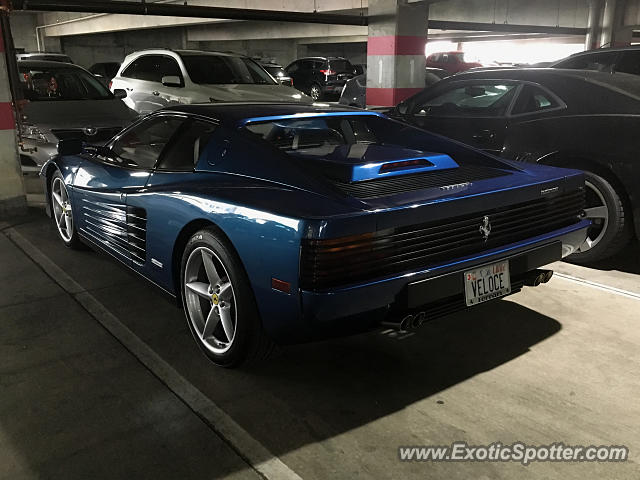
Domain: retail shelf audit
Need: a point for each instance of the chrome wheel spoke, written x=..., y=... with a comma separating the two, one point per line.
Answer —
x=597, y=212
x=60, y=219
x=57, y=198
x=67, y=221
x=213, y=319
x=200, y=288
x=210, y=268
x=227, y=323
x=226, y=292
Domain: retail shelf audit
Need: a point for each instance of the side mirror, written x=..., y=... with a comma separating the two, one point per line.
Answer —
x=402, y=108
x=70, y=146
x=172, y=81
x=120, y=93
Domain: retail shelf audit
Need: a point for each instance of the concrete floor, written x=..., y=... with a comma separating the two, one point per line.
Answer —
x=558, y=363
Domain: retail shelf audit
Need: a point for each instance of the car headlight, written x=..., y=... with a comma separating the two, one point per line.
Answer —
x=32, y=132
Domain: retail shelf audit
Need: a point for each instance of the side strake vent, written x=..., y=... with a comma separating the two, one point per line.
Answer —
x=116, y=227
x=417, y=181
x=137, y=233
x=330, y=263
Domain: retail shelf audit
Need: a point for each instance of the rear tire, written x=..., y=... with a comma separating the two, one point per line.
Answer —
x=219, y=303
x=611, y=229
x=315, y=92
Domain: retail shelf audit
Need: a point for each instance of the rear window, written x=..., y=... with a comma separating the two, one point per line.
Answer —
x=61, y=83
x=318, y=136
x=340, y=66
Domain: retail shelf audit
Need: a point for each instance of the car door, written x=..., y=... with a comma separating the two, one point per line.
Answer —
x=143, y=84
x=108, y=175
x=169, y=92
x=629, y=62
x=293, y=70
x=473, y=112
x=306, y=75
x=174, y=170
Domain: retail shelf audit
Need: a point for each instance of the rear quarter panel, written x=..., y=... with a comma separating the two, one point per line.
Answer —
x=608, y=144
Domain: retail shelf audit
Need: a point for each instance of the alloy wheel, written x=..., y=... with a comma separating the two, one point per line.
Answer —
x=598, y=213
x=315, y=92
x=62, y=209
x=210, y=300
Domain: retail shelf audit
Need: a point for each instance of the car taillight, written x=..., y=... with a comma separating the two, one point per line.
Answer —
x=110, y=83
x=328, y=72
x=291, y=80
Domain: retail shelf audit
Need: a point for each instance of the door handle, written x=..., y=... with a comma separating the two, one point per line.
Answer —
x=156, y=93
x=484, y=135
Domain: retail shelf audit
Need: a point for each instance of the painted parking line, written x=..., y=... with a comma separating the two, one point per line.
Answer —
x=248, y=448
x=598, y=286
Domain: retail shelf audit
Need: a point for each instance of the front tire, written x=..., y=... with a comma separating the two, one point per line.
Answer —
x=611, y=228
x=219, y=303
x=62, y=211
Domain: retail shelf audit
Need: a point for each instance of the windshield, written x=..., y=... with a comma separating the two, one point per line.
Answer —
x=61, y=83
x=220, y=70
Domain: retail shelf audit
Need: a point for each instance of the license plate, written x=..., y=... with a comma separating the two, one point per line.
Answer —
x=487, y=282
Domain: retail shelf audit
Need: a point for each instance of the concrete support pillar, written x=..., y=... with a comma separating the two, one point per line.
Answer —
x=395, y=50
x=593, y=25
x=609, y=17
x=12, y=195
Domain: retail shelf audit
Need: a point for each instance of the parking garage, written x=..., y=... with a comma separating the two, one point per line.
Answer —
x=319, y=239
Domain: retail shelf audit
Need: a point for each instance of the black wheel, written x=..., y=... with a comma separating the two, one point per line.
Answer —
x=62, y=211
x=315, y=92
x=219, y=303
x=611, y=229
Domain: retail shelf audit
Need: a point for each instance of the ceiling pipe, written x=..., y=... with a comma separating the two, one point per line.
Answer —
x=192, y=11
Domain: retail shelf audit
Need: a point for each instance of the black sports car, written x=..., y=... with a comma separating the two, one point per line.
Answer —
x=580, y=119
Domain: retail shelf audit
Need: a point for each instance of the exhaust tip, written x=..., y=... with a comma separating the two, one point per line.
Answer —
x=406, y=323
x=418, y=320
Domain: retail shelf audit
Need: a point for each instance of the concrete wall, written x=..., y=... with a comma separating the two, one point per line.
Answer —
x=354, y=52
x=278, y=50
x=565, y=13
x=23, y=29
x=86, y=50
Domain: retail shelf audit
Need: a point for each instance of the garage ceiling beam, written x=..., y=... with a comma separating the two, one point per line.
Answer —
x=505, y=27
x=192, y=11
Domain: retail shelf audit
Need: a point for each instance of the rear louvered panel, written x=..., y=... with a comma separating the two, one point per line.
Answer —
x=418, y=181
x=137, y=234
x=330, y=263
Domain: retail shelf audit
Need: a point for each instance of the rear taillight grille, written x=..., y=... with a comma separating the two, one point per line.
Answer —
x=343, y=261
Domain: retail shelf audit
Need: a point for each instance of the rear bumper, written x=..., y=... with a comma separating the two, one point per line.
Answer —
x=333, y=87
x=439, y=287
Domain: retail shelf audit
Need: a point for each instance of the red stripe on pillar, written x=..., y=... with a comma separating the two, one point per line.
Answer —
x=396, y=45
x=1, y=41
x=388, y=97
x=7, y=122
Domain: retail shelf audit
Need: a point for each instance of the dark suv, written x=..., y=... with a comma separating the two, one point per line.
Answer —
x=320, y=76
x=611, y=60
